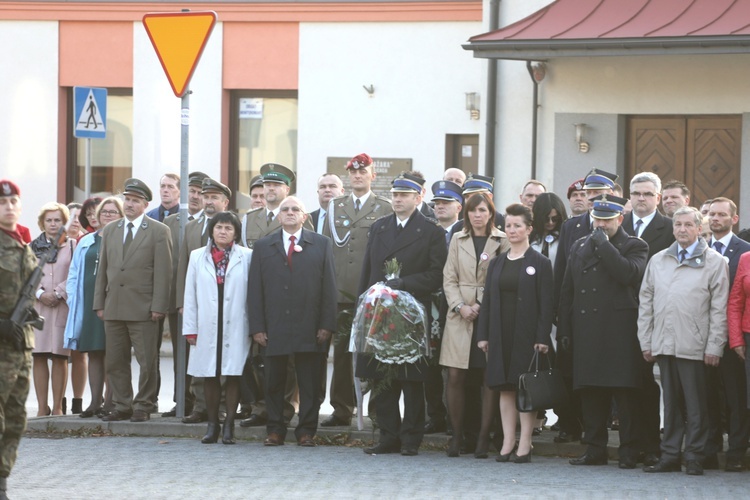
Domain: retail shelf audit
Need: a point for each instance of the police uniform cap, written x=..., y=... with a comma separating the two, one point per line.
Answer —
x=447, y=191
x=608, y=206
x=138, y=188
x=256, y=181
x=407, y=183
x=196, y=178
x=475, y=183
x=599, y=179
x=211, y=185
x=276, y=172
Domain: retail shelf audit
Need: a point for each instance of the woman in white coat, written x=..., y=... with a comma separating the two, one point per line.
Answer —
x=215, y=319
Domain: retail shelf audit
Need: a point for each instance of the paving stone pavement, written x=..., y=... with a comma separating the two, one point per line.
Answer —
x=167, y=468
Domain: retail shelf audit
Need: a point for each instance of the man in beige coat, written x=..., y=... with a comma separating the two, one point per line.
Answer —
x=132, y=296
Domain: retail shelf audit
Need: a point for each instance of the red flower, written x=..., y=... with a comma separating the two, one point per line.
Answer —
x=391, y=327
x=386, y=337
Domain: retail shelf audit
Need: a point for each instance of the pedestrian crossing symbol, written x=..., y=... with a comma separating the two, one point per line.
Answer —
x=90, y=105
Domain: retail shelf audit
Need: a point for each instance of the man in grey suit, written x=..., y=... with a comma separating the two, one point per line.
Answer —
x=292, y=308
x=132, y=296
x=215, y=200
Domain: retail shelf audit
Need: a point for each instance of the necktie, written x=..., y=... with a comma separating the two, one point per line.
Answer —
x=270, y=218
x=719, y=246
x=545, y=248
x=165, y=214
x=357, y=205
x=290, y=252
x=128, y=239
x=321, y=221
x=683, y=254
x=190, y=217
x=447, y=237
x=638, y=226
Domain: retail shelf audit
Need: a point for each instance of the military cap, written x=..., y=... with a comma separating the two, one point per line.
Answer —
x=599, y=179
x=407, y=183
x=137, y=187
x=9, y=188
x=362, y=160
x=196, y=178
x=275, y=172
x=211, y=185
x=256, y=181
x=576, y=186
x=475, y=183
x=608, y=206
x=447, y=191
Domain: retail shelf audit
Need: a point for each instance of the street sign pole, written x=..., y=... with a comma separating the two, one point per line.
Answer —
x=181, y=353
x=87, y=168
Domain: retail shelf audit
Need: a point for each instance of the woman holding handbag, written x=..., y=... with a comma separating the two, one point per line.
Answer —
x=464, y=275
x=515, y=320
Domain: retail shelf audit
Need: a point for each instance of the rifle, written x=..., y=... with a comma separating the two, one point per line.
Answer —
x=24, y=312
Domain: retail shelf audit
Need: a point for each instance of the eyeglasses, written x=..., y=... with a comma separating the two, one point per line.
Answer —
x=293, y=209
x=109, y=212
x=647, y=194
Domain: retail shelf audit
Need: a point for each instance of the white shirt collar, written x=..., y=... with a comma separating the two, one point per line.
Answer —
x=362, y=199
x=724, y=241
x=646, y=221
x=274, y=212
x=136, y=224
x=287, y=241
x=689, y=249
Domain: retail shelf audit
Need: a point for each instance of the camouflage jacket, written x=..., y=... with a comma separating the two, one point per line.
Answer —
x=17, y=262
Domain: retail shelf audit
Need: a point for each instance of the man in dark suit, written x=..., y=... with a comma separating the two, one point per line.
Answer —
x=195, y=209
x=730, y=378
x=292, y=309
x=419, y=246
x=131, y=296
x=169, y=192
x=329, y=187
x=596, y=183
x=647, y=223
x=598, y=321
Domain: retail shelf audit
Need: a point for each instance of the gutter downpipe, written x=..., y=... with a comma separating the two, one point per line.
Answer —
x=534, y=115
x=491, y=123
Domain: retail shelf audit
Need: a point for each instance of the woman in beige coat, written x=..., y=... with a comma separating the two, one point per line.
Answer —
x=465, y=271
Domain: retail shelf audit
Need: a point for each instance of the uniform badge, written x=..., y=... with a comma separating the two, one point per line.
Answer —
x=144, y=225
x=377, y=207
x=530, y=271
x=484, y=256
x=6, y=189
x=697, y=261
x=346, y=223
x=341, y=204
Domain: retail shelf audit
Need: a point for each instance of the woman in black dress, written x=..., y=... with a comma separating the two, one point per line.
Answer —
x=515, y=319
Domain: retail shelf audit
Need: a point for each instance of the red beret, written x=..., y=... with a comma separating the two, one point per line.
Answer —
x=576, y=186
x=9, y=188
x=360, y=161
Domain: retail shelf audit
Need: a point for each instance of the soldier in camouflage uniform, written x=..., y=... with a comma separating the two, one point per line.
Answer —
x=17, y=262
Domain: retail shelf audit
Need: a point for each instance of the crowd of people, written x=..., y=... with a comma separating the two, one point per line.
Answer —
x=606, y=292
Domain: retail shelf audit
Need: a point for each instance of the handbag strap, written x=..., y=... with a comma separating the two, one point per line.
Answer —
x=534, y=360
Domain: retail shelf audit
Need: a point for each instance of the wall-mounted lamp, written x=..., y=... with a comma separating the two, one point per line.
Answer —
x=370, y=89
x=583, y=146
x=472, y=105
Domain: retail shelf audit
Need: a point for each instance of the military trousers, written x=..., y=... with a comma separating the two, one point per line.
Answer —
x=15, y=367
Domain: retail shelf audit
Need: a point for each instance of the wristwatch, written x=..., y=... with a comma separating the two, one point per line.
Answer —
x=457, y=309
x=59, y=297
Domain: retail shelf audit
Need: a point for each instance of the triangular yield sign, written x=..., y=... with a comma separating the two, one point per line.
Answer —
x=179, y=39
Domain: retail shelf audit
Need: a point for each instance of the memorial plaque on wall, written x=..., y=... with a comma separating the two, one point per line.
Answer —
x=386, y=169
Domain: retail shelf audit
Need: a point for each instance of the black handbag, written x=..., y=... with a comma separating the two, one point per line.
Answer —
x=540, y=389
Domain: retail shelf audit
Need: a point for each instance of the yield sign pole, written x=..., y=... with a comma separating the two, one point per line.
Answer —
x=179, y=39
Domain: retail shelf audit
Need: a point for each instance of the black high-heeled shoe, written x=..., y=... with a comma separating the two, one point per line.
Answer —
x=228, y=436
x=522, y=459
x=454, y=448
x=482, y=449
x=212, y=433
x=506, y=457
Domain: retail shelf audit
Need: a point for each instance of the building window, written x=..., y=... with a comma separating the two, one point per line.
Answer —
x=263, y=130
x=111, y=158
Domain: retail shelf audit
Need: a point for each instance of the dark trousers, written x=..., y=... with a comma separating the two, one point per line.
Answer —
x=685, y=410
x=394, y=431
x=343, y=399
x=729, y=380
x=569, y=413
x=175, y=336
x=648, y=411
x=433, y=394
x=307, y=369
x=596, y=404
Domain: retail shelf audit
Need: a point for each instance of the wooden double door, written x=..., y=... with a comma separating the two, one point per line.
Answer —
x=701, y=151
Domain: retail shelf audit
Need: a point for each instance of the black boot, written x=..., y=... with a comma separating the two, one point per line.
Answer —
x=228, y=437
x=212, y=433
x=77, y=406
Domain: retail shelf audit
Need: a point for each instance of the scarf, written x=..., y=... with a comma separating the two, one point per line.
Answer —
x=221, y=259
x=41, y=245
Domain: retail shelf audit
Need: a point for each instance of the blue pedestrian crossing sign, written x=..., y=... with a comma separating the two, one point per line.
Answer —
x=90, y=107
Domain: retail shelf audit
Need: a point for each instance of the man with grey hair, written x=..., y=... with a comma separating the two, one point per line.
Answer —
x=684, y=332
x=454, y=175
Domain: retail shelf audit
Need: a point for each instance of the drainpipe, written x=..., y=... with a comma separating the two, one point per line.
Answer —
x=534, y=113
x=491, y=120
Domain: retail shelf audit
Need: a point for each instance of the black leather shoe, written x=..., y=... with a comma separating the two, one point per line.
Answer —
x=435, y=427
x=565, y=437
x=253, y=421
x=711, y=462
x=587, y=459
x=694, y=468
x=334, y=421
x=382, y=449
x=117, y=416
x=648, y=459
x=212, y=433
x=170, y=413
x=626, y=463
x=734, y=466
x=228, y=434
x=409, y=451
x=663, y=466
x=196, y=417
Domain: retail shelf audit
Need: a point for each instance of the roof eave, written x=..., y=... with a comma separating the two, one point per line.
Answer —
x=536, y=50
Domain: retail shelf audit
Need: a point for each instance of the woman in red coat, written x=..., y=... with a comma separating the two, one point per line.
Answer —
x=738, y=311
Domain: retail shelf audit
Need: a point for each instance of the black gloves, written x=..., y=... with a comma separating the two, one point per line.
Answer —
x=395, y=284
x=599, y=236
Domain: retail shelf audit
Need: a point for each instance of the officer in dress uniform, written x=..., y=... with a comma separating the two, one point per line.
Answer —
x=418, y=244
x=17, y=262
x=351, y=216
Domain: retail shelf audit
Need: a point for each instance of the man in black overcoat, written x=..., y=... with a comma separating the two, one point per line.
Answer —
x=598, y=324
x=418, y=244
x=291, y=304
